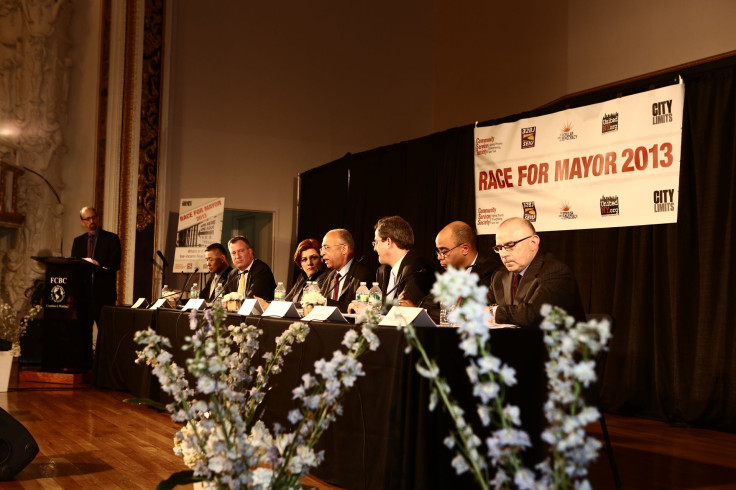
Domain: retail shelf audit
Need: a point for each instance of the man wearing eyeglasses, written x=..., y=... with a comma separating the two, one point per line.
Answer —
x=346, y=273
x=102, y=248
x=404, y=275
x=456, y=246
x=530, y=279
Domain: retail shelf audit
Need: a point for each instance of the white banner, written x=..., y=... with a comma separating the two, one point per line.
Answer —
x=200, y=224
x=600, y=166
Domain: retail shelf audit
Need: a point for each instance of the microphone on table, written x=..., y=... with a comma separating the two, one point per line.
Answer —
x=404, y=279
x=186, y=283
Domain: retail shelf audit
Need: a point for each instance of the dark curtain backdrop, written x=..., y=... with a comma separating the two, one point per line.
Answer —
x=667, y=286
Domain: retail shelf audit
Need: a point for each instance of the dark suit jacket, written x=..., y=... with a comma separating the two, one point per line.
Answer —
x=484, y=266
x=547, y=280
x=260, y=281
x=107, y=253
x=350, y=283
x=206, y=289
x=295, y=293
x=415, y=278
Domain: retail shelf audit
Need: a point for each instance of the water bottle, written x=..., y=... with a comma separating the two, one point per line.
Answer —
x=375, y=293
x=279, y=292
x=362, y=294
x=165, y=292
x=219, y=292
x=194, y=292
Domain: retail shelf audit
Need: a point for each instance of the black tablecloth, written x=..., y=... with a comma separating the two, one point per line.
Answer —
x=386, y=437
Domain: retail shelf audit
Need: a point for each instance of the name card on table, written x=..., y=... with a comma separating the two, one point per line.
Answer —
x=142, y=302
x=281, y=309
x=325, y=314
x=400, y=316
x=194, y=304
x=250, y=306
x=160, y=303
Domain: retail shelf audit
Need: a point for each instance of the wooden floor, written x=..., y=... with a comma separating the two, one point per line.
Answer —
x=90, y=438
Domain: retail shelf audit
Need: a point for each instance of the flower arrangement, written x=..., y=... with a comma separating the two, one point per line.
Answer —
x=223, y=440
x=233, y=301
x=310, y=299
x=313, y=298
x=11, y=329
x=569, y=370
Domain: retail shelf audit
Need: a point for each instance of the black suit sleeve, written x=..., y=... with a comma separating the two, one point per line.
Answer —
x=554, y=284
x=260, y=281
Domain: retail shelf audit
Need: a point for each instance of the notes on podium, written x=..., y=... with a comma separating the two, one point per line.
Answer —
x=281, y=309
x=250, y=306
x=325, y=314
x=400, y=316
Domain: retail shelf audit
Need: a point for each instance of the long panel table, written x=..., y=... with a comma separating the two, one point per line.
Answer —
x=386, y=438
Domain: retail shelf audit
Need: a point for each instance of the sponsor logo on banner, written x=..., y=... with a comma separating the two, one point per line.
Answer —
x=609, y=206
x=610, y=123
x=664, y=200
x=485, y=146
x=662, y=112
x=528, y=137
x=566, y=212
x=488, y=217
x=567, y=133
x=530, y=211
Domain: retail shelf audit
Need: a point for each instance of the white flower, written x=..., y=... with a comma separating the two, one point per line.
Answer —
x=524, y=479
x=349, y=339
x=205, y=385
x=507, y=375
x=585, y=372
x=262, y=477
x=460, y=465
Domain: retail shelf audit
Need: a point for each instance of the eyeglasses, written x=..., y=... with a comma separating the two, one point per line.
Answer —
x=374, y=242
x=89, y=218
x=311, y=258
x=444, y=253
x=509, y=245
x=325, y=248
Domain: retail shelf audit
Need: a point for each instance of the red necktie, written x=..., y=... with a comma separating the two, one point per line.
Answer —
x=515, y=286
x=336, y=288
x=90, y=245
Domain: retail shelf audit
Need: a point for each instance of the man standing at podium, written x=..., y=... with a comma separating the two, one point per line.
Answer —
x=102, y=248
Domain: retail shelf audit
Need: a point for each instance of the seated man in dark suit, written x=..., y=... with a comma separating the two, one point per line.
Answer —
x=219, y=268
x=251, y=277
x=530, y=279
x=403, y=274
x=346, y=274
x=456, y=245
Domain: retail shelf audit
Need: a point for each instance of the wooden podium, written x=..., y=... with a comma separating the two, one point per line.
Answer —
x=67, y=321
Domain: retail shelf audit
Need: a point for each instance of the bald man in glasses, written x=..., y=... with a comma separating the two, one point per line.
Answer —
x=102, y=248
x=529, y=279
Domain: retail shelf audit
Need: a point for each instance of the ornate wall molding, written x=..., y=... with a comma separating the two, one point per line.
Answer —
x=35, y=70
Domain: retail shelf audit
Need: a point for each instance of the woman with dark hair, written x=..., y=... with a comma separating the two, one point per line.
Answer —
x=308, y=259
